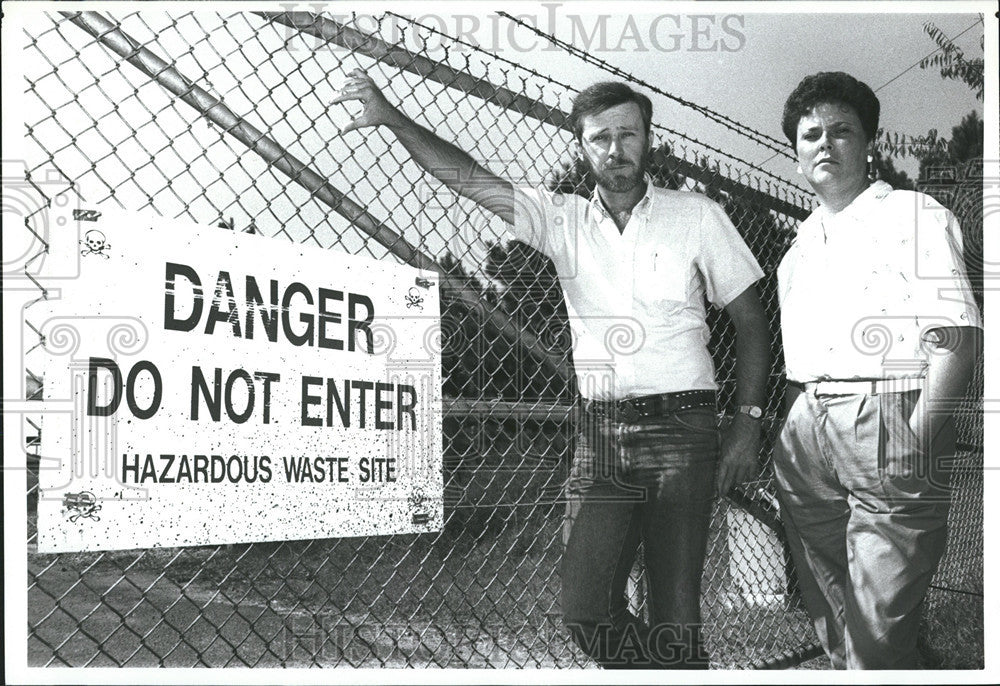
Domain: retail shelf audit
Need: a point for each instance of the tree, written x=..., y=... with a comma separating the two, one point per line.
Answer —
x=459, y=361
x=884, y=169
x=951, y=170
x=964, y=152
x=953, y=64
x=475, y=361
x=952, y=174
x=951, y=60
x=954, y=179
x=530, y=296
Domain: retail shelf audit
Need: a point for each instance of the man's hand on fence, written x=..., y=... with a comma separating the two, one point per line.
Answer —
x=740, y=447
x=377, y=110
x=437, y=157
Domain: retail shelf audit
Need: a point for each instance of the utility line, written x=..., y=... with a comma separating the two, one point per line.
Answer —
x=952, y=40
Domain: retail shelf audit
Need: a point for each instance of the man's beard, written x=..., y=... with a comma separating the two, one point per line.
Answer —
x=620, y=180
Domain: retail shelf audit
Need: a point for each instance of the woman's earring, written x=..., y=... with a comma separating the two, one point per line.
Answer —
x=872, y=172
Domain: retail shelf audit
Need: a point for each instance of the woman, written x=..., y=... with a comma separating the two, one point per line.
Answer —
x=879, y=327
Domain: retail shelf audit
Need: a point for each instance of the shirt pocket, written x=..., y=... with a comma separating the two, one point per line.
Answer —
x=662, y=276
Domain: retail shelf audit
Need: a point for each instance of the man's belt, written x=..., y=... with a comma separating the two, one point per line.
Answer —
x=631, y=409
x=859, y=387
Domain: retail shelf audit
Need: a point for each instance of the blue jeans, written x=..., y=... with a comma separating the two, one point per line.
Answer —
x=648, y=481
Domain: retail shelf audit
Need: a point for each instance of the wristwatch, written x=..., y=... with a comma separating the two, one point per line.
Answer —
x=752, y=411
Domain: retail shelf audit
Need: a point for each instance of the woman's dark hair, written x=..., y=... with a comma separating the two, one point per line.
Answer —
x=830, y=87
x=605, y=95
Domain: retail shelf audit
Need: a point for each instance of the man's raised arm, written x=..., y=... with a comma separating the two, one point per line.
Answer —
x=450, y=165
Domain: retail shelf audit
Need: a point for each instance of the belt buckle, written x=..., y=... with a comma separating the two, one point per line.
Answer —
x=627, y=411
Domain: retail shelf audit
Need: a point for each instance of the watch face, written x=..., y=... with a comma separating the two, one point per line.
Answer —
x=752, y=411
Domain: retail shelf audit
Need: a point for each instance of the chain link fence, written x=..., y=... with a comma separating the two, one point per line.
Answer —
x=225, y=119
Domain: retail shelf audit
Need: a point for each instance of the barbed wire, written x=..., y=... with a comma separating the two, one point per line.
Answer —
x=660, y=127
x=758, y=137
x=507, y=425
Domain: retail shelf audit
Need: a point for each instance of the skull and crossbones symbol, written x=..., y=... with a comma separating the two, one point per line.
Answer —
x=95, y=243
x=83, y=504
x=414, y=299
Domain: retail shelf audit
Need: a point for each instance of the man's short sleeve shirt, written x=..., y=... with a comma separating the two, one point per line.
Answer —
x=636, y=299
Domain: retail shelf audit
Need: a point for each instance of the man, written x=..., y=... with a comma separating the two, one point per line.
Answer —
x=633, y=261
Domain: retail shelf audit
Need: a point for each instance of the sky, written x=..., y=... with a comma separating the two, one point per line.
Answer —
x=733, y=59
x=751, y=82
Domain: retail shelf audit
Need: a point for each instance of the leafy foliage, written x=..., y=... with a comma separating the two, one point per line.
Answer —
x=475, y=362
x=951, y=61
x=951, y=170
x=954, y=178
x=900, y=145
x=953, y=65
x=884, y=169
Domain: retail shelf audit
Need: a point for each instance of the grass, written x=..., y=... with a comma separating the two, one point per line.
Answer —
x=483, y=592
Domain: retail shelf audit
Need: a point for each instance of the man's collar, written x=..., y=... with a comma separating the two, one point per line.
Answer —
x=643, y=205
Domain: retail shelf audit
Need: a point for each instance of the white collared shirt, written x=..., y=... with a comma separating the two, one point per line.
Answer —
x=636, y=299
x=860, y=288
